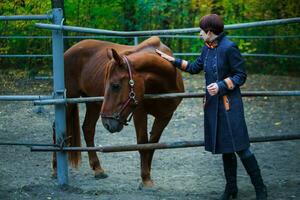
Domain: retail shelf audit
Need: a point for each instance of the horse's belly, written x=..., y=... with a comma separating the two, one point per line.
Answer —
x=161, y=107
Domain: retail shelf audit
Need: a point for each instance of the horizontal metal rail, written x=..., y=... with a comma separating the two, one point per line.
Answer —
x=25, y=37
x=165, y=96
x=162, y=36
x=264, y=36
x=270, y=55
x=26, y=17
x=66, y=37
x=152, y=146
x=48, y=99
x=175, y=54
x=24, y=97
x=246, y=55
x=43, y=78
x=244, y=94
x=25, y=55
x=262, y=23
x=230, y=36
x=26, y=144
x=164, y=32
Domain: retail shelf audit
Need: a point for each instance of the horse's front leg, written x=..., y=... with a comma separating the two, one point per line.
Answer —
x=140, y=123
x=88, y=127
x=158, y=127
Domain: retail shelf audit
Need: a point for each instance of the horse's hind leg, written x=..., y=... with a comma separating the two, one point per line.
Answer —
x=88, y=127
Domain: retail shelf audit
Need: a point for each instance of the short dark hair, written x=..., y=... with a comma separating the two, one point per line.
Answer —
x=213, y=23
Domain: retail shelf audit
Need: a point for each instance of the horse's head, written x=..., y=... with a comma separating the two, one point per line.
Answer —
x=122, y=92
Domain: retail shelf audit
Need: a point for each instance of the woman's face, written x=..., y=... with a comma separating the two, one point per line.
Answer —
x=204, y=36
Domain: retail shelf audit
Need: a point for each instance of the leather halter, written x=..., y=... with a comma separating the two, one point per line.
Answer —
x=131, y=97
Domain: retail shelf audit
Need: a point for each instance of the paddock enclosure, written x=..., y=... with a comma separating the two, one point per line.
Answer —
x=188, y=173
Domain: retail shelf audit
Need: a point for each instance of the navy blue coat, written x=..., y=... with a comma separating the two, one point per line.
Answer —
x=225, y=131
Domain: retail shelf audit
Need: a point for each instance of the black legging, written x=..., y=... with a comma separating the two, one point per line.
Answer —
x=243, y=154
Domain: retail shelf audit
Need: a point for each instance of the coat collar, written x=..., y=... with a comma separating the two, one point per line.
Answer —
x=213, y=44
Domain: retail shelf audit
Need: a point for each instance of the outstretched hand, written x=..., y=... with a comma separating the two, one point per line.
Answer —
x=165, y=56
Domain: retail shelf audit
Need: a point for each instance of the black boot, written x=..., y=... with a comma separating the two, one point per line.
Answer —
x=253, y=170
x=230, y=167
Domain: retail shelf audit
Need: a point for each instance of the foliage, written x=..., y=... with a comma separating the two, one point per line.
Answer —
x=133, y=15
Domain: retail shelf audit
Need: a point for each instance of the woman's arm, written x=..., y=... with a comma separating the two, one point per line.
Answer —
x=238, y=73
x=191, y=67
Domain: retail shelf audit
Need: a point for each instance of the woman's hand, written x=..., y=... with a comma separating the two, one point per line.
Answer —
x=165, y=56
x=213, y=89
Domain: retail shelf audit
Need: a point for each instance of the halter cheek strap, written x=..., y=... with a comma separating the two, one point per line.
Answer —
x=131, y=81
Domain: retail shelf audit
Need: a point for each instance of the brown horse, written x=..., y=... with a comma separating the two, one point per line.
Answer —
x=122, y=74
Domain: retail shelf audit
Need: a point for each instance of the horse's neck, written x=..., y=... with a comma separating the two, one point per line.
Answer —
x=154, y=69
x=150, y=62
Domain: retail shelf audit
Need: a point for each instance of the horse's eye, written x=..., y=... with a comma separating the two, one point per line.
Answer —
x=115, y=87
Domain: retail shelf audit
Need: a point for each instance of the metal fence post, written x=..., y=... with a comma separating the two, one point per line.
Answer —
x=136, y=40
x=59, y=93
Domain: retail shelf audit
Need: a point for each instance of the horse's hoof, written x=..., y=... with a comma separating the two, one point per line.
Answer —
x=147, y=185
x=101, y=175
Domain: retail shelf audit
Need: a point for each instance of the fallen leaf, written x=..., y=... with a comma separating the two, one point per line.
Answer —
x=277, y=123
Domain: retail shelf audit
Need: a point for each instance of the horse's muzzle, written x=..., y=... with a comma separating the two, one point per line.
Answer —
x=112, y=125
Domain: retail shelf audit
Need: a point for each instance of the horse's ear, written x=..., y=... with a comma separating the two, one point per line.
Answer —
x=117, y=57
x=109, y=53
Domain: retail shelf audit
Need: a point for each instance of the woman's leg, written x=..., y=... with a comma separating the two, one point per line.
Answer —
x=230, y=168
x=250, y=163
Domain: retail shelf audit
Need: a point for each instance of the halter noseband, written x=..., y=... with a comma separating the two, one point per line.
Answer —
x=131, y=97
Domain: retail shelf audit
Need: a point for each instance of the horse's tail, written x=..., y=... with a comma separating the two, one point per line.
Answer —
x=73, y=134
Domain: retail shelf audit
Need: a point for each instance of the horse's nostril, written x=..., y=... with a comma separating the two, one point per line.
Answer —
x=112, y=125
x=106, y=126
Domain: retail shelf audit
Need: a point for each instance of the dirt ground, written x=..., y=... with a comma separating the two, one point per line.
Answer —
x=180, y=174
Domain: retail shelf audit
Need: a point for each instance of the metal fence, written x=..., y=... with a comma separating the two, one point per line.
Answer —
x=136, y=40
x=59, y=100
x=137, y=35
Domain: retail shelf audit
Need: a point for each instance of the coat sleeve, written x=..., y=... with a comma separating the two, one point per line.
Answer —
x=237, y=76
x=196, y=66
x=192, y=67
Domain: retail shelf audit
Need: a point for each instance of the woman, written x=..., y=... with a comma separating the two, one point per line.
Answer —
x=224, y=122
